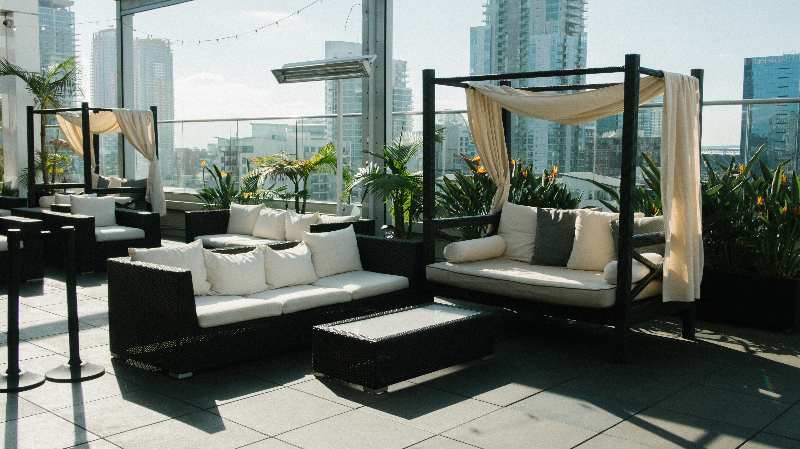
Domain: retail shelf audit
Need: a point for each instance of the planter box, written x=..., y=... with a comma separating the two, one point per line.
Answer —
x=763, y=303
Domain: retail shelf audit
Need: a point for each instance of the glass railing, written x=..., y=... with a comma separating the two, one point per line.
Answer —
x=732, y=130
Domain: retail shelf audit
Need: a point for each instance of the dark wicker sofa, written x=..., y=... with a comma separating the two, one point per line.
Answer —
x=92, y=254
x=153, y=320
x=212, y=222
x=30, y=255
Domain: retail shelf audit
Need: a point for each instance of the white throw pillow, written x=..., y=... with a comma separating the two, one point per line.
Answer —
x=334, y=252
x=61, y=198
x=638, y=269
x=102, y=209
x=291, y=266
x=243, y=218
x=297, y=224
x=46, y=201
x=593, y=247
x=271, y=224
x=518, y=230
x=188, y=256
x=475, y=249
x=236, y=274
x=330, y=219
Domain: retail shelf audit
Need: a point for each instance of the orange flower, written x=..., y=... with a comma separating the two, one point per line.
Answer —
x=481, y=170
x=203, y=163
x=760, y=200
x=524, y=173
x=784, y=180
x=784, y=209
x=742, y=168
x=223, y=173
x=554, y=171
x=476, y=159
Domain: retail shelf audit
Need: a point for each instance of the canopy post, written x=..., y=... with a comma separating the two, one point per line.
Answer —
x=96, y=149
x=627, y=183
x=428, y=162
x=87, y=148
x=699, y=74
x=506, y=117
x=154, y=110
x=32, y=198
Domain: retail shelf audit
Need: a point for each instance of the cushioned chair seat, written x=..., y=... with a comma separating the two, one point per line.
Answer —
x=363, y=284
x=219, y=310
x=3, y=243
x=554, y=285
x=232, y=240
x=302, y=297
x=5, y=212
x=117, y=233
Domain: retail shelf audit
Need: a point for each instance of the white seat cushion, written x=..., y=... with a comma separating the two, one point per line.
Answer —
x=189, y=257
x=242, y=218
x=297, y=224
x=5, y=212
x=334, y=252
x=232, y=240
x=518, y=230
x=363, y=284
x=303, y=297
x=116, y=233
x=554, y=285
x=236, y=274
x=3, y=243
x=288, y=267
x=271, y=224
x=102, y=209
x=218, y=310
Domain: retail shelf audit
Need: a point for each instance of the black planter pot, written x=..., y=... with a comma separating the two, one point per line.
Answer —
x=751, y=301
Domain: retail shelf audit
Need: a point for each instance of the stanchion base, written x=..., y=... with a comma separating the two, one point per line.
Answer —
x=21, y=382
x=67, y=373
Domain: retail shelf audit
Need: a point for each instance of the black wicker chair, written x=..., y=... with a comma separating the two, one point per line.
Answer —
x=31, y=255
x=211, y=222
x=92, y=254
x=152, y=317
x=7, y=203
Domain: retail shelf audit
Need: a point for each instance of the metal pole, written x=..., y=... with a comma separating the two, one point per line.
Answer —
x=87, y=148
x=32, y=200
x=428, y=162
x=75, y=370
x=15, y=378
x=339, y=159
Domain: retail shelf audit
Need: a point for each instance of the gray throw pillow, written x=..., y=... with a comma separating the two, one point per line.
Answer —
x=555, y=234
x=642, y=225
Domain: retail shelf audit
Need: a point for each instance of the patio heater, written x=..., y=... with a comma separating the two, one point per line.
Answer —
x=337, y=69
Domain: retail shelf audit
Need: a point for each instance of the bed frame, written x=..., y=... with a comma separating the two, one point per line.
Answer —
x=625, y=313
x=89, y=140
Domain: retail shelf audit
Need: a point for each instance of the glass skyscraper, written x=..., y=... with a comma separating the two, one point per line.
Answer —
x=773, y=125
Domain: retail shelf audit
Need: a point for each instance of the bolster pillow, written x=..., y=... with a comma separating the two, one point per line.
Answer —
x=638, y=269
x=475, y=249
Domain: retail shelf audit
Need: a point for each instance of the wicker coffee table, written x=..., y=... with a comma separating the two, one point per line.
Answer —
x=375, y=351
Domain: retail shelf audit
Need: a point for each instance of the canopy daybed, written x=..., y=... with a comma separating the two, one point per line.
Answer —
x=82, y=128
x=620, y=305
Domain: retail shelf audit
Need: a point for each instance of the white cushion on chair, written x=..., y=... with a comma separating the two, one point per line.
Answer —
x=242, y=218
x=518, y=229
x=271, y=224
x=593, y=247
x=236, y=274
x=102, y=209
x=117, y=233
x=638, y=269
x=303, y=297
x=475, y=249
x=189, y=257
x=334, y=252
x=364, y=284
x=231, y=240
x=5, y=212
x=332, y=219
x=3, y=243
x=297, y=224
x=219, y=310
x=288, y=267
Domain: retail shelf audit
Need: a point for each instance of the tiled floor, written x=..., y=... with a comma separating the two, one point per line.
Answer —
x=548, y=386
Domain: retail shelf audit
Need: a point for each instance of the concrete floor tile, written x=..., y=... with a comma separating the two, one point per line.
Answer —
x=356, y=430
x=53, y=395
x=197, y=430
x=338, y=392
x=788, y=424
x=14, y=407
x=769, y=441
x=43, y=431
x=439, y=442
x=511, y=429
x=279, y=411
x=570, y=407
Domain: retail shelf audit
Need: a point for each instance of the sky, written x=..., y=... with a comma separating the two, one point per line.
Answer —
x=232, y=79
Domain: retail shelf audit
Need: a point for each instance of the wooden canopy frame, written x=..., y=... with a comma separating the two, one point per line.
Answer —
x=625, y=311
x=89, y=141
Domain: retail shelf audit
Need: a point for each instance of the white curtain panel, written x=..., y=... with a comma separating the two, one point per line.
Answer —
x=136, y=126
x=680, y=155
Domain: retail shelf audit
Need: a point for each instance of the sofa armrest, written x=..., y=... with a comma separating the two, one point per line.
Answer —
x=393, y=256
x=32, y=252
x=205, y=222
x=63, y=208
x=148, y=303
x=12, y=202
x=150, y=222
x=364, y=226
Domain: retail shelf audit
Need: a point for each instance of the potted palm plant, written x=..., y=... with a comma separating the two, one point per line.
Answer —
x=49, y=88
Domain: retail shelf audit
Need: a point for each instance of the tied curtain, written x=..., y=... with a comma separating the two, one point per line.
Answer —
x=138, y=129
x=680, y=156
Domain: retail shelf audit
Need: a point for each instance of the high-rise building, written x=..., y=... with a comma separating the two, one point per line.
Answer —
x=57, y=35
x=103, y=92
x=480, y=50
x=773, y=125
x=153, y=85
x=352, y=94
x=529, y=35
